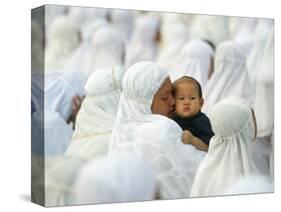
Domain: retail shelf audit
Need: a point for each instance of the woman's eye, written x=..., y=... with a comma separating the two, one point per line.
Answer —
x=192, y=98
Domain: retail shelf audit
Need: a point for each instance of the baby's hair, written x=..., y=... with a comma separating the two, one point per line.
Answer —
x=187, y=79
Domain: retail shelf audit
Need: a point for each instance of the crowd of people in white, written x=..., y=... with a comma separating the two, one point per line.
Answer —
x=102, y=96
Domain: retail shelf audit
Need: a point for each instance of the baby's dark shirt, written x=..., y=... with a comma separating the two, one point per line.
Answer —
x=199, y=125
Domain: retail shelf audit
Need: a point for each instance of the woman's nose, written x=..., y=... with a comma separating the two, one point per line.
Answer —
x=172, y=101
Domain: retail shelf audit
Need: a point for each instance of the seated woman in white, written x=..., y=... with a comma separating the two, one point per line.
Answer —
x=142, y=127
x=229, y=157
x=96, y=117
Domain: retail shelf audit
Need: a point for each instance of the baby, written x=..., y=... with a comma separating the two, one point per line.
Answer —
x=196, y=125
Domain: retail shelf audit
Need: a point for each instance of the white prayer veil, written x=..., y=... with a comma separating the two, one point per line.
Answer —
x=264, y=98
x=107, y=50
x=60, y=87
x=62, y=38
x=122, y=178
x=96, y=117
x=194, y=61
x=229, y=155
x=142, y=45
x=153, y=137
x=230, y=77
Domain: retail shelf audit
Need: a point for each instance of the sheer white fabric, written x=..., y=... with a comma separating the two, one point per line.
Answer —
x=153, y=137
x=37, y=47
x=194, y=61
x=230, y=77
x=264, y=99
x=96, y=117
x=229, y=155
x=122, y=178
x=62, y=38
x=142, y=45
x=107, y=49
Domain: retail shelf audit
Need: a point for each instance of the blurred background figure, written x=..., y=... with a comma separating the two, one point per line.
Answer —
x=143, y=44
x=121, y=178
x=230, y=77
x=63, y=36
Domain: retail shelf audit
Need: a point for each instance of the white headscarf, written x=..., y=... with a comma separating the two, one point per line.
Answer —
x=107, y=49
x=153, y=137
x=229, y=155
x=122, y=178
x=62, y=38
x=264, y=98
x=60, y=87
x=96, y=117
x=194, y=61
x=142, y=45
x=230, y=77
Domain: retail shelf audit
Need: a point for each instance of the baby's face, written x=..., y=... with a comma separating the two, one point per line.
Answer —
x=188, y=102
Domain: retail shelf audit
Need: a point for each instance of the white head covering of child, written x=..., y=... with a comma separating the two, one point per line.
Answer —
x=107, y=49
x=229, y=155
x=153, y=137
x=230, y=77
x=122, y=178
x=97, y=114
x=194, y=61
x=142, y=45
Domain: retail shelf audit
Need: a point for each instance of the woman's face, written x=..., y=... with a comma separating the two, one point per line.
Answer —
x=163, y=102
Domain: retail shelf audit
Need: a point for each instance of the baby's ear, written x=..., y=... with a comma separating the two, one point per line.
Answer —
x=201, y=102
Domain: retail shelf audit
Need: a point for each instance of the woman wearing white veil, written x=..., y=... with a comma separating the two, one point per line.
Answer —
x=194, y=60
x=230, y=77
x=229, y=157
x=96, y=117
x=142, y=127
x=143, y=45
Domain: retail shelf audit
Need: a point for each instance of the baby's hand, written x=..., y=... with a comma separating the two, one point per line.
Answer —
x=187, y=137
